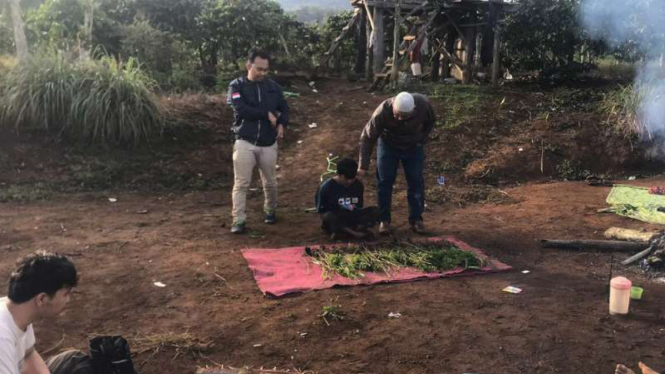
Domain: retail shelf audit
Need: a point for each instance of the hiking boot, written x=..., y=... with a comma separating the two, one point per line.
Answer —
x=384, y=228
x=418, y=227
x=238, y=228
x=271, y=218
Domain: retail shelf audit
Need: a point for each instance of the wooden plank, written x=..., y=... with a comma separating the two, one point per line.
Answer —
x=345, y=31
x=396, y=40
x=379, y=40
x=421, y=33
x=453, y=58
x=461, y=34
x=369, y=66
x=416, y=9
x=369, y=14
x=630, y=235
x=361, y=44
x=469, y=50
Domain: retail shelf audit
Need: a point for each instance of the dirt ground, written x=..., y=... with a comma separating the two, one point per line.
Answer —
x=497, y=198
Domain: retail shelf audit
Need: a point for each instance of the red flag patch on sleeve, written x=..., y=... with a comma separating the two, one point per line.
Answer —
x=236, y=96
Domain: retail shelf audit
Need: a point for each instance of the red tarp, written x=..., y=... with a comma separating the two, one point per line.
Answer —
x=283, y=271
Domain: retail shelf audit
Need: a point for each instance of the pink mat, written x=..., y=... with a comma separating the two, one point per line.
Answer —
x=284, y=271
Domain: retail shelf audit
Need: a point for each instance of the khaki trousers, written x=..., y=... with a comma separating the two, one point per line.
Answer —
x=246, y=156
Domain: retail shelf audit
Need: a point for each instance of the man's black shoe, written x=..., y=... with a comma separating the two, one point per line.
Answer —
x=271, y=218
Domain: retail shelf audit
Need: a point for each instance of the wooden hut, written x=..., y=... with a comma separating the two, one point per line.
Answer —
x=461, y=36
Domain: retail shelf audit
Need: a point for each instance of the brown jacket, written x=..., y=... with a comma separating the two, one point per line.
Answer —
x=402, y=135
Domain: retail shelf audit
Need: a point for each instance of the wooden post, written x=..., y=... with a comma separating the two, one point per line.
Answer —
x=486, y=52
x=469, y=48
x=396, y=42
x=379, y=40
x=449, y=45
x=436, y=65
x=361, y=43
x=369, y=67
x=479, y=45
x=496, y=56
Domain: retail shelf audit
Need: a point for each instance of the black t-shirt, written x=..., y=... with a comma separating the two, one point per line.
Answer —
x=332, y=196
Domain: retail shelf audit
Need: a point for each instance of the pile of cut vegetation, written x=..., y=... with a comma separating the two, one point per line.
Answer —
x=354, y=260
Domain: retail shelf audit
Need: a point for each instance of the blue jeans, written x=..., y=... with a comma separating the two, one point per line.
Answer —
x=388, y=159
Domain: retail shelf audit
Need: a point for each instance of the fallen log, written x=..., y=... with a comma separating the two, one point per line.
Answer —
x=630, y=235
x=610, y=245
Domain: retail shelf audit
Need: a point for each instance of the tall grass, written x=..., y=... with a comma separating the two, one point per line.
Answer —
x=611, y=68
x=96, y=101
x=621, y=106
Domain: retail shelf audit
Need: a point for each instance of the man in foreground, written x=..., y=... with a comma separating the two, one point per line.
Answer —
x=39, y=289
x=401, y=125
x=260, y=116
x=339, y=201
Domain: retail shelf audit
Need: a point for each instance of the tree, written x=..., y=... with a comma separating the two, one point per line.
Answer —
x=228, y=29
x=635, y=28
x=151, y=46
x=6, y=32
x=88, y=16
x=20, y=40
x=331, y=29
x=246, y=24
x=56, y=23
x=544, y=35
x=175, y=16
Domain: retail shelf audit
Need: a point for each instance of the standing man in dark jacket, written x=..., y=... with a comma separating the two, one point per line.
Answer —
x=401, y=125
x=260, y=116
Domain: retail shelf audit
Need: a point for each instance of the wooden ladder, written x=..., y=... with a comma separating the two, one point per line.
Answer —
x=381, y=79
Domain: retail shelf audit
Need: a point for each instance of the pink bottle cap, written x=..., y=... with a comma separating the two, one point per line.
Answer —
x=621, y=283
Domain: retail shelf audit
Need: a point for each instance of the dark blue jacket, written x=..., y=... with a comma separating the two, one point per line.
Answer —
x=251, y=102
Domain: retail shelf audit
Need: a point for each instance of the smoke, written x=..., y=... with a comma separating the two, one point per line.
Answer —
x=640, y=22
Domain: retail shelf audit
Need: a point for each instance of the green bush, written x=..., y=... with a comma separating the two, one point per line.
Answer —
x=182, y=80
x=151, y=46
x=5, y=65
x=97, y=101
x=224, y=78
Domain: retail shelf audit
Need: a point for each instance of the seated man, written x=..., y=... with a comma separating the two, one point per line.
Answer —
x=39, y=288
x=339, y=201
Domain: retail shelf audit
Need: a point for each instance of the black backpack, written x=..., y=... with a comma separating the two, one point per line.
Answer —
x=111, y=355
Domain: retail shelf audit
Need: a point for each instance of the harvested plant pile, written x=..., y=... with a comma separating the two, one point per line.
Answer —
x=354, y=260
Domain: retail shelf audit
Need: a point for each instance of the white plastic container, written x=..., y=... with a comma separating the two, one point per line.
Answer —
x=416, y=69
x=620, y=295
